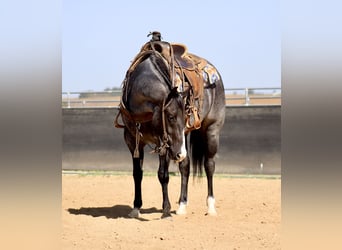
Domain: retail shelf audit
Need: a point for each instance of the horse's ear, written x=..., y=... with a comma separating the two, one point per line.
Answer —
x=174, y=92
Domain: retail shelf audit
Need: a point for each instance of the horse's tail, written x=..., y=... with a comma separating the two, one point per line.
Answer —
x=197, y=146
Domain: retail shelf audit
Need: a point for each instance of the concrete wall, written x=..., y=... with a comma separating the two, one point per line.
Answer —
x=250, y=141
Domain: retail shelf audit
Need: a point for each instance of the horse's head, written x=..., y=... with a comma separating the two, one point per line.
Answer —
x=173, y=123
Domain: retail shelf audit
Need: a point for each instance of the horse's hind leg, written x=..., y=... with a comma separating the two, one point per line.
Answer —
x=184, y=168
x=209, y=166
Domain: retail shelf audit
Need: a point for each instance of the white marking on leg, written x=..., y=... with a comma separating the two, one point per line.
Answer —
x=135, y=213
x=211, y=206
x=182, y=154
x=181, y=209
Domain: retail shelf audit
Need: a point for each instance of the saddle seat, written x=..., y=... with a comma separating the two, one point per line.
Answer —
x=185, y=59
x=180, y=52
x=191, y=66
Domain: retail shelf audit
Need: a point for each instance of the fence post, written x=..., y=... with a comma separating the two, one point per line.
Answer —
x=68, y=94
x=246, y=97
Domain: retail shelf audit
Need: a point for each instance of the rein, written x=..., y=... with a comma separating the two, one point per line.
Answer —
x=162, y=149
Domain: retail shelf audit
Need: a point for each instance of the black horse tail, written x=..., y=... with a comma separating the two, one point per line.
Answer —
x=197, y=146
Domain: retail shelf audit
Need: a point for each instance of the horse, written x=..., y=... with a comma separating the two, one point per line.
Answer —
x=153, y=111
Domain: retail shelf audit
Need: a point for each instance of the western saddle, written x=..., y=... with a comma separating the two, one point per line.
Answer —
x=188, y=72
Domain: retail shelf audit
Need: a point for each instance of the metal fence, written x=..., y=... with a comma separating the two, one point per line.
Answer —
x=234, y=97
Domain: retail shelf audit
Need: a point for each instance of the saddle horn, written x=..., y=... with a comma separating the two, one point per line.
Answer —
x=156, y=36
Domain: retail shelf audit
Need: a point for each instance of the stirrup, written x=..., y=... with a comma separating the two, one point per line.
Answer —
x=197, y=123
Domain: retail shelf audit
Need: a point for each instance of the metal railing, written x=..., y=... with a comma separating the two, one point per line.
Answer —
x=253, y=96
x=234, y=97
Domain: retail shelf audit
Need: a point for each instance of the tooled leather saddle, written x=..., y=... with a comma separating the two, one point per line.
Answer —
x=188, y=72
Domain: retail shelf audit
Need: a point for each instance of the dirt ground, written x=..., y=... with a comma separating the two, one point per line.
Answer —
x=95, y=208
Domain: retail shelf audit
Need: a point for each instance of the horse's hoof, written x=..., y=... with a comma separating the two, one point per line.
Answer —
x=211, y=212
x=182, y=209
x=135, y=213
x=166, y=215
x=211, y=206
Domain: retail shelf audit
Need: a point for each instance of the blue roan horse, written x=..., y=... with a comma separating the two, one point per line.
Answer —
x=159, y=106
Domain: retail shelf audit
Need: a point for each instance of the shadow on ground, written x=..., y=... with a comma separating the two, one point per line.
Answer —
x=115, y=212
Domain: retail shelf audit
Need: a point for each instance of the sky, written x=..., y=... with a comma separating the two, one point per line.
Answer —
x=100, y=39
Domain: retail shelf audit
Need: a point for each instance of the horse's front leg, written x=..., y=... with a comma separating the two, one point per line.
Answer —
x=137, y=176
x=184, y=168
x=163, y=176
x=137, y=173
